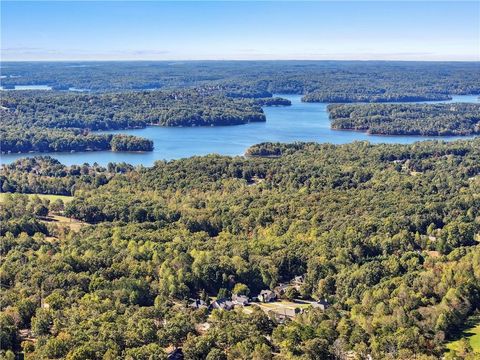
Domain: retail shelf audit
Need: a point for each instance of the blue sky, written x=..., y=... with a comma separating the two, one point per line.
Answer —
x=121, y=30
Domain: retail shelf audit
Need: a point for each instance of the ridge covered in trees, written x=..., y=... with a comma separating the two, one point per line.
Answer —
x=325, y=81
x=388, y=234
x=407, y=119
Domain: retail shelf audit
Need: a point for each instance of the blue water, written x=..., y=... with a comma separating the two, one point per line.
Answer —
x=29, y=87
x=299, y=122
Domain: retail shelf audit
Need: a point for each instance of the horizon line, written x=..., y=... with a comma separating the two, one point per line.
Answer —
x=236, y=60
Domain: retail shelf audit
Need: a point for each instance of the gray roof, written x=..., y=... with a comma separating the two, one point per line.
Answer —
x=266, y=292
x=240, y=299
x=223, y=304
x=321, y=304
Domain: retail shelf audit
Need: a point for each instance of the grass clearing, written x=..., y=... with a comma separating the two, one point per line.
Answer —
x=52, y=198
x=72, y=224
x=471, y=332
x=279, y=305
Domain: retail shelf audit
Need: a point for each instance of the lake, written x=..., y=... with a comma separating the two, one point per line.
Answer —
x=28, y=87
x=299, y=122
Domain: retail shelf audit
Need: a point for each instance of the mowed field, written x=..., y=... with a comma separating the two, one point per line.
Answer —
x=52, y=198
x=471, y=333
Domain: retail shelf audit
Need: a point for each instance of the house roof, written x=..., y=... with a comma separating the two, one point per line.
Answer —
x=224, y=303
x=198, y=303
x=242, y=299
x=321, y=303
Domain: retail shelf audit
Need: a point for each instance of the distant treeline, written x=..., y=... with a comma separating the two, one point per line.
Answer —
x=408, y=119
x=325, y=81
x=371, y=95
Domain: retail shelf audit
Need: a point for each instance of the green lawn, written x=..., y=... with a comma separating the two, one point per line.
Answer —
x=42, y=196
x=471, y=332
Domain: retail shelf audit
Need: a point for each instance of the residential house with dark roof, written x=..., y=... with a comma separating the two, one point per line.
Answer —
x=321, y=304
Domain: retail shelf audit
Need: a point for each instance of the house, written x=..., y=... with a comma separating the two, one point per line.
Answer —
x=298, y=280
x=290, y=312
x=281, y=289
x=222, y=304
x=285, y=313
x=267, y=296
x=198, y=304
x=241, y=300
x=321, y=304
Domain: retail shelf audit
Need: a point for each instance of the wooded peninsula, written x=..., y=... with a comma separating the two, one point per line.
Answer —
x=50, y=122
x=407, y=119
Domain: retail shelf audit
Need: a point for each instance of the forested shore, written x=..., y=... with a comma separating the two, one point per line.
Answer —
x=386, y=234
x=113, y=96
x=52, y=122
x=407, y=119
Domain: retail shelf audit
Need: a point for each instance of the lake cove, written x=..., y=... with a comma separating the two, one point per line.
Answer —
x=298, y=122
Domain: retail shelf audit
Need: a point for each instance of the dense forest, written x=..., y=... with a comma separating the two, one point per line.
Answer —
x=44, y=121
x=326, y=81
x=378, y=95
x=387, y=234
x=408, y=119
x=45, y=175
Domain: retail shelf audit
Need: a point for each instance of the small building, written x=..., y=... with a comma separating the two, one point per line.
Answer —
x=267, y=296
x=283, y=314
x=241, y=300
x=298, y=280
x=321, y=304
x=222, y=304
x=281, y=289
x=198, y=304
